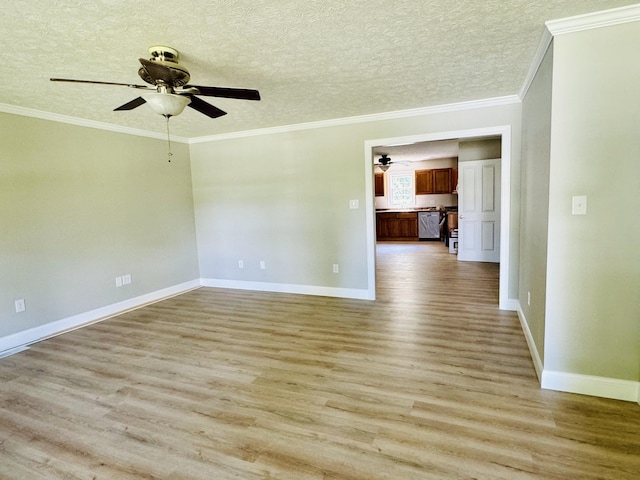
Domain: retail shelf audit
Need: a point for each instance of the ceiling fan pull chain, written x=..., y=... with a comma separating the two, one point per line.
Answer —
x=168, y=139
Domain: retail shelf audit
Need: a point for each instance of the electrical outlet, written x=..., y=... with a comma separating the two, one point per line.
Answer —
x=263, y=265
x=432, y=202
x=20, y=305
x=126, y=279
x=118, y=281
x=240, y=264
x=336, y=268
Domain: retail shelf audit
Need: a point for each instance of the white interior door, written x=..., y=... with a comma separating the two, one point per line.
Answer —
x=479, y=211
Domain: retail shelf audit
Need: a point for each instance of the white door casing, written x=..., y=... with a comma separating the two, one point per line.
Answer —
x=479, y=211
x=505, y=134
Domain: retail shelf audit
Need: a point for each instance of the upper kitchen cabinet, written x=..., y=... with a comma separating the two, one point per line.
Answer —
x=434, y=181
x=442, y=180
x=454, y=181
x=424, y=182
x=378, y=183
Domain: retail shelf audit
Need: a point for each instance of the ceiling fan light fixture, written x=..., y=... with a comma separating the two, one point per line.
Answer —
x=384, y=168
x=167, y=104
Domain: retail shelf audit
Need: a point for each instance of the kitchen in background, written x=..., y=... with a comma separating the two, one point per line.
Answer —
x=416, y=196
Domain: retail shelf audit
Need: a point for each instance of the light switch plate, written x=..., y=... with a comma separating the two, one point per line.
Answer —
x=20, y=306
x=579, y=205
x=353, y=204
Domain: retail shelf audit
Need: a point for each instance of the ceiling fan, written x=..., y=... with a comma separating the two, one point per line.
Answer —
x=385, y=162
x=171, y=92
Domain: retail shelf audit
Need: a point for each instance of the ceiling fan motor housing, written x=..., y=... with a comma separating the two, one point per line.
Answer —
x=385, y=160
x=167, y=57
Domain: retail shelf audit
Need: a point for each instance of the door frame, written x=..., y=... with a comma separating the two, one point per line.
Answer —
x=504, y=131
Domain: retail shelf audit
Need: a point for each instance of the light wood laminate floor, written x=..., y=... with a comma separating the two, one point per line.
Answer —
x=430, y=381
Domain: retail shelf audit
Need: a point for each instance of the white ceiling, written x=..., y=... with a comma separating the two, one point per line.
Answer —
x=310, y=60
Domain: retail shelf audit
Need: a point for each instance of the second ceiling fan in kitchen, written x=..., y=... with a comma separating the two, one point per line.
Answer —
x=384, y=162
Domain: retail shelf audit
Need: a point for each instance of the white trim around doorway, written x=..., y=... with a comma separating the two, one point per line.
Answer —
x=505, y=303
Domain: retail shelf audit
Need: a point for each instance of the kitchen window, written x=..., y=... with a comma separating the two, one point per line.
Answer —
x=401, y=190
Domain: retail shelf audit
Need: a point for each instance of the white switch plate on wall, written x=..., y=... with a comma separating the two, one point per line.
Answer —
x=20, y=306
x=579, y=205
x=353, y=204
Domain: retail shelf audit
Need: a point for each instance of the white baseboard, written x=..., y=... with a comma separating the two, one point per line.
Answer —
x=13, y=351
x=510, y=304
x=357, y=294
x=590, y=385
x=18, y=341
x=533, y=350
x=576, y=383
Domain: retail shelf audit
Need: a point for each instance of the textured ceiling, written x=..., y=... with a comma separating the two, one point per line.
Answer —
x=310, y=60
x=419, y=151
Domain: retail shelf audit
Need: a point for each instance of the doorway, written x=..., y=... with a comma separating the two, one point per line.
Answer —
x=504, y=132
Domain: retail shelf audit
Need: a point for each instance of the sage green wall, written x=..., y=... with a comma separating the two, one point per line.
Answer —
x=270, y=198
x=485, y=149
x=284, y=198
x=593, y=266
x=80, y=206
x=536, y=145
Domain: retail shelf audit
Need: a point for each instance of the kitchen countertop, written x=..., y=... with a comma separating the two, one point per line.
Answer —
x=412, y=210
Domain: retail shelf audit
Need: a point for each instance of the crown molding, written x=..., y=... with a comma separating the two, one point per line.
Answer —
x=81, y=122
x=543, y=46
x=605, y=18
x=375, y=117
x=578, y=23
x=399, y=114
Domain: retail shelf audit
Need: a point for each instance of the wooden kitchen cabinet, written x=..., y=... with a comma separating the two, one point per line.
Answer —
x=397, y=226
x=442, y=180
x=378, y=184
x=437, y=180
x=424, y=182
x=452, y=221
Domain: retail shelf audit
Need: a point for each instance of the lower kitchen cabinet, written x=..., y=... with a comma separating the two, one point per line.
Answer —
x=397, y=226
